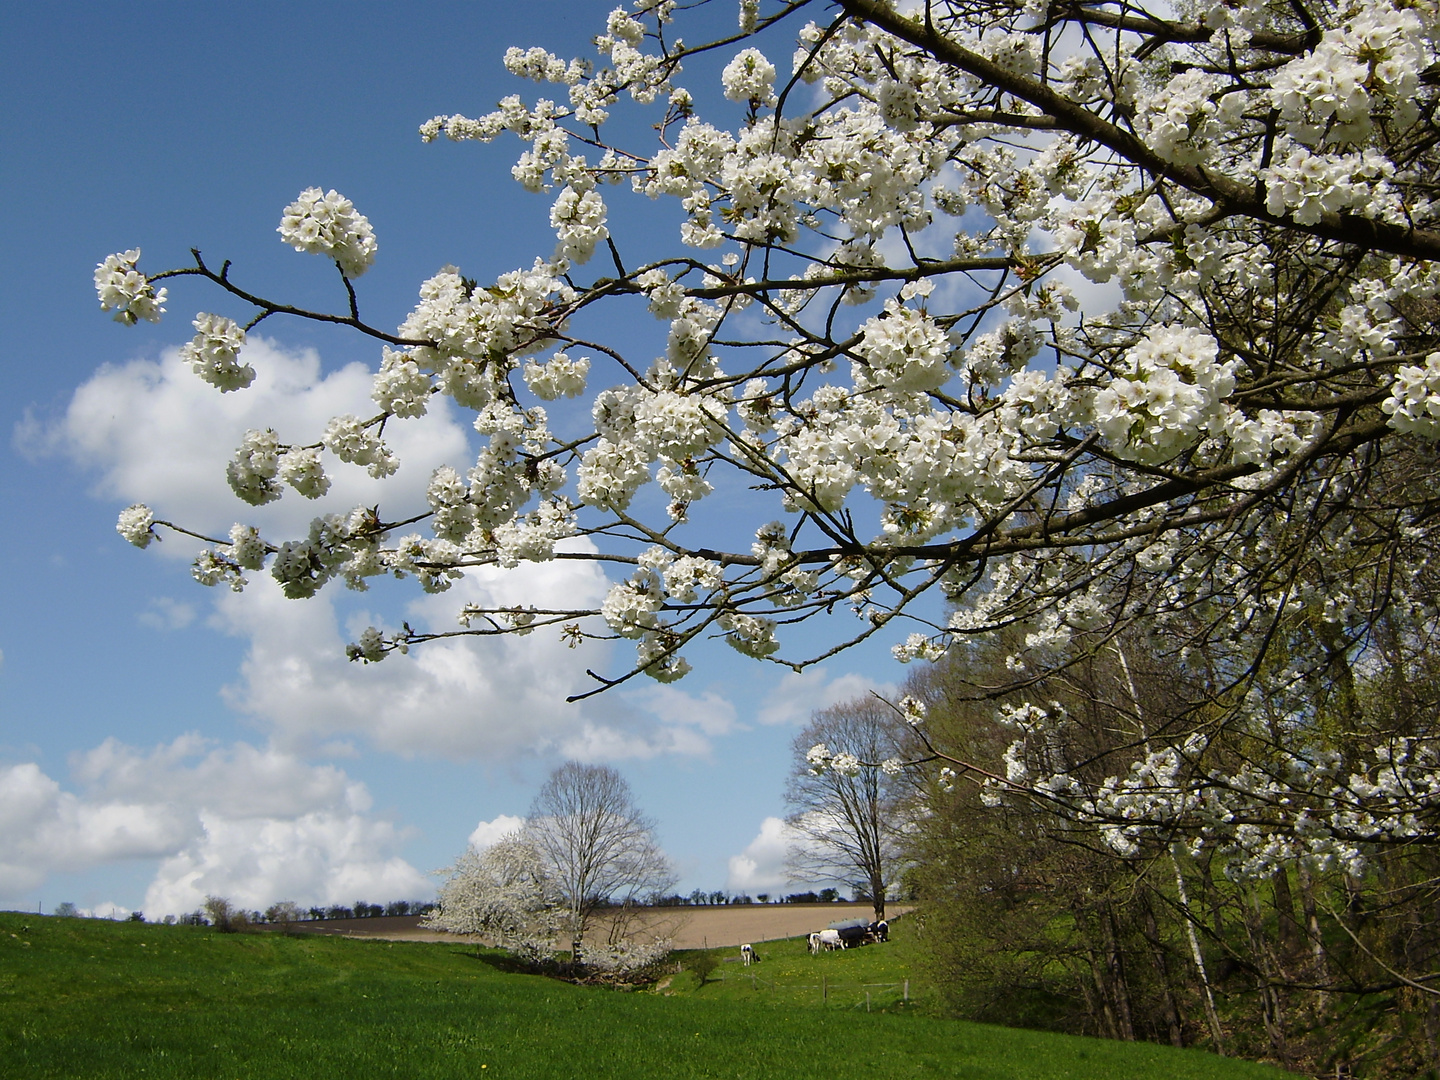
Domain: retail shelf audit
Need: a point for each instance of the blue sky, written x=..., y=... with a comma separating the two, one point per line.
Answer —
x=159, y=740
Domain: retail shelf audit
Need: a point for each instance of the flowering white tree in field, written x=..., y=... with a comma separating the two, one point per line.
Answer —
x=503, y=894
x=1087, y=316
x=584, y=848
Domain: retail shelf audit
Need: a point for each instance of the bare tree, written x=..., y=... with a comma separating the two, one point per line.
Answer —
x=285, y=914
x=225, y=916
x=597, y=846
x=848, y=819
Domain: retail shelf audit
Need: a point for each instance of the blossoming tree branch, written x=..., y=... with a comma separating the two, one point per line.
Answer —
x=875, y=338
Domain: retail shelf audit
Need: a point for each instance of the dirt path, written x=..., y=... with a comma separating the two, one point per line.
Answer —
x=698, y=927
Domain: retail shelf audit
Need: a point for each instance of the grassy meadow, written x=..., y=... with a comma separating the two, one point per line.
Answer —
x=874, y=978
x=94, y=999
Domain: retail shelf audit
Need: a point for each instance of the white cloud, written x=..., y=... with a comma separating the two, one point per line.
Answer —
x=105, y=909
x=240, y=780
x=44, y=829
x=761, y=866
x=255, y=825
x=708, y=712
x=802, y=693
x=155, y=433
x=460, y=698
x=489, y=832
x=328, y=856
x=166, y=613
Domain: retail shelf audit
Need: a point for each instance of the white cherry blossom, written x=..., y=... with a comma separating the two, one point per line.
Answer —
x=1082, y=322
x=126, y=291
x=135, y=525
x=325, y=223
x=212, y=353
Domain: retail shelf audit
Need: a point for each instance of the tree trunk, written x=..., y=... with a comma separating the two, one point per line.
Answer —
x=1432, y=1034
x=1115, y=965
x=1318, y=959
x=1288, y=930
x=1272, y=1009
x=1106, y=1013
x=1197, y=954
x=1162, y=973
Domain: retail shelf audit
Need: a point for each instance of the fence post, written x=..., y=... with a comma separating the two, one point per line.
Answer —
x=867, y=1000
x=907, y=989
x=824, y=990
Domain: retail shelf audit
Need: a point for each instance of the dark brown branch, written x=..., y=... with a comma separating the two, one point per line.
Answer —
x=1230, y=196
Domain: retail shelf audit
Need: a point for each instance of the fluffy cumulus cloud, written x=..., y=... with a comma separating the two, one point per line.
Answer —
x=44, y=829
x=462, y=699
x=707, y=713
x=328, y=856
x=490, y=832
x=253, y=824
x=800, y=694
x=153, y=432
x=761, y=866
x=651, y=721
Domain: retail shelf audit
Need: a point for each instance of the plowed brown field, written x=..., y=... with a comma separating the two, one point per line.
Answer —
x=698, y=927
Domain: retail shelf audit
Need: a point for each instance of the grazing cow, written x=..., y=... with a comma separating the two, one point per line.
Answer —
x=815, y=944
x=880, y=931
x=831, y=939
x=747, y=955
x=852, y=931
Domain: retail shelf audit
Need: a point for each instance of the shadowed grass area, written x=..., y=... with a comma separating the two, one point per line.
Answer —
x=82, y=998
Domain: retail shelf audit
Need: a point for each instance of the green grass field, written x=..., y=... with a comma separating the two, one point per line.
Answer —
x=82, y=998
x=875, y=978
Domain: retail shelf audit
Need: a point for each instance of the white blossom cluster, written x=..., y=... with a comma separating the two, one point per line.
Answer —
x=504, y=895
x=326, y=223
x=627, y=957
x=578, y=219
x=126, y=291
x=352, y=442
x=1259, y=817
x=822, y=759
x=253, y=469
x=912, y=710
x=135, y=525
x=1414, y=402
x=560, y=376
x=401, y=388
x=872, y=316
x=477, y=334
x=1367, y=67
x=212, y=353
x=905, y=352
x=749, y=78
x=1167, y=395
